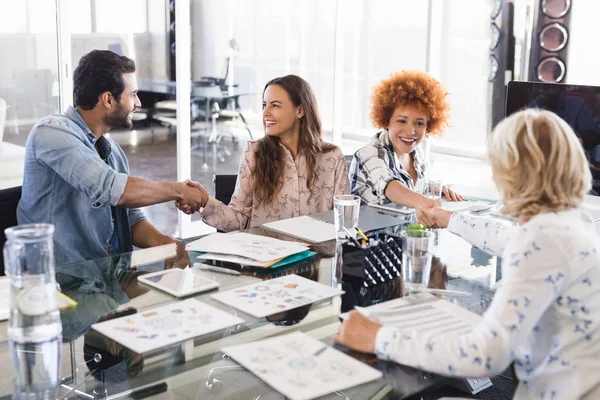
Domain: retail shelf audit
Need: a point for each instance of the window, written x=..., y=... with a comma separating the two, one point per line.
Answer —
x=13, y=16
x=464, y=69
x=118, y=16
x=81, y=16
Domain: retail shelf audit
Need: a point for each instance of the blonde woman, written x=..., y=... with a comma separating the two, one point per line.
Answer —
x=545, y=315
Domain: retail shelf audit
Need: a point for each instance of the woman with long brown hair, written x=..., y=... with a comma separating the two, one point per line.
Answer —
x=288, y=173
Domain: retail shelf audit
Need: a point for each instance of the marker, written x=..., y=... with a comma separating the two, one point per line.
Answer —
x=362, y=235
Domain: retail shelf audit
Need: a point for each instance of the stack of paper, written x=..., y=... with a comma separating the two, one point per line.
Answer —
x=300, y=367
x=245, y=249
x=273, y=296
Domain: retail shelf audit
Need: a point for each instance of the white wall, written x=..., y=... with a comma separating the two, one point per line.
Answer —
x=583, y=64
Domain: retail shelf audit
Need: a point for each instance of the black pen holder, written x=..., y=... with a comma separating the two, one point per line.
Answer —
x=373, y=273
x=374, y=264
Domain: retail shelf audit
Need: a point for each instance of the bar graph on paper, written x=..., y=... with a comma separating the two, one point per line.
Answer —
x=423, y=313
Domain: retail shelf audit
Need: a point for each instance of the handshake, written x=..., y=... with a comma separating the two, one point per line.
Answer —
x=191, y=196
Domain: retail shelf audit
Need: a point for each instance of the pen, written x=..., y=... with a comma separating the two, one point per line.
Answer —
x=219, y=269
x=447, y=292
x=351, y=237
x=362, y=235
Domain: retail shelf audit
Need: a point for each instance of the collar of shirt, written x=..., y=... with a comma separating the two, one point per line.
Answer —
x=103, y=143
x=383, y=139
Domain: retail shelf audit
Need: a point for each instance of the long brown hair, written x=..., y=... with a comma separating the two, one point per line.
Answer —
x=268, y=171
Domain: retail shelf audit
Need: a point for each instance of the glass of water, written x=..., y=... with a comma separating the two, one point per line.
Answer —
x=416, y=258
x=345, y=211
x=433, y=190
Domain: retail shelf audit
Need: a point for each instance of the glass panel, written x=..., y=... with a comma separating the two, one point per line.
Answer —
x=130, y=17
x=28, y=78
x=375, y=45
x=83, y=10
x=240, y=45
x=13, y=18
x=465, y=58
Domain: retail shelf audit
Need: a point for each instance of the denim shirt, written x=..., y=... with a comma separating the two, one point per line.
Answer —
x=68, y=184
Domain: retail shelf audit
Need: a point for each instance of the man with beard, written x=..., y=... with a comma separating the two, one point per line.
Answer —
x=78, y=180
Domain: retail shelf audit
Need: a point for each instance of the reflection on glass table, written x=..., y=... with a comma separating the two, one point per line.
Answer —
x=109, y=286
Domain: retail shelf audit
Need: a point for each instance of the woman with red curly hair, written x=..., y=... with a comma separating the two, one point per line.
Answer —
x=408, y=107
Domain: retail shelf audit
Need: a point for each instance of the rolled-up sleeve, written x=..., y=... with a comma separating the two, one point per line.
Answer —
x=370, y=175
x=135, y=215
x=77, y=164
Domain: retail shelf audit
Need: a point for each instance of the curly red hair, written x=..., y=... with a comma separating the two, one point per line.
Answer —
x=411, y=88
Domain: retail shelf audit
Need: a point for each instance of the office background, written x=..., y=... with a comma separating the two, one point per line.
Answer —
x=341, y=47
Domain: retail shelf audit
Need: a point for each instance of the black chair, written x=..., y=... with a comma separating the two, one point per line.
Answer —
x=224, y=187
x=9, y=199
x=348, y=159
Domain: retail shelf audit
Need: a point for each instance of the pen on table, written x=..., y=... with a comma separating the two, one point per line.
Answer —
x=361, y=233
x=351, y=237
x=219, y=269
x=149, y=391
x=320, y=351
x=448, y=292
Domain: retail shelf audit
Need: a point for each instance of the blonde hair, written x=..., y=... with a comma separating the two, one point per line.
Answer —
x=538, y=164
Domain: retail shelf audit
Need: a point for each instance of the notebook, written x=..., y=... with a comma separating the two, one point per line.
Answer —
x=305, y=228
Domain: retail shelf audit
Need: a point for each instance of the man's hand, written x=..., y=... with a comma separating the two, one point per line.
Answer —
x=193, y=197
x=358, y=333
x=434, y=217
x=181, y=259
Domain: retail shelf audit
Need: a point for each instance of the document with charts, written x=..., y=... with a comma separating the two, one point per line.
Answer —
x=422, y=312
x=163, y=326
x=301, y=367
x=255, y=247
x=273, y=296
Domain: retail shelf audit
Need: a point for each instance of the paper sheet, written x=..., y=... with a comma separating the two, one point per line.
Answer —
x=305, y=228
x=259, y=248
x=273, y=296
x=465, y=205
x=300, y=367
x=159, y=327
x=424, y=313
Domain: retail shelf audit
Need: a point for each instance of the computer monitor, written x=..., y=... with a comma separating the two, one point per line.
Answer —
x=578, y=105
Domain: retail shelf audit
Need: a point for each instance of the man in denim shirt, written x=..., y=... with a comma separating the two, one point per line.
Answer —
x=78, y=180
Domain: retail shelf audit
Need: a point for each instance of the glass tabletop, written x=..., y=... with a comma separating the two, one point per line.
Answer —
x=93, y=366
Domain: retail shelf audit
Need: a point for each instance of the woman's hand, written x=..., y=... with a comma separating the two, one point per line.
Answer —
x=426, y=202
x=450, y=194
x=358, y=333
x=434, y=217
x=202, y=194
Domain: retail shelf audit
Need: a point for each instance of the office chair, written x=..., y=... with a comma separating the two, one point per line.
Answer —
x=348, y=159
x=224, y=187
x=9, y=199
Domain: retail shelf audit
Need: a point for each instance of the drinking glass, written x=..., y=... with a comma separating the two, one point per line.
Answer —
x=416, y=258
x=345, y=211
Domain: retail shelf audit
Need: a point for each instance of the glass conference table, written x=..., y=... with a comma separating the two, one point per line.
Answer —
x=94, y=366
